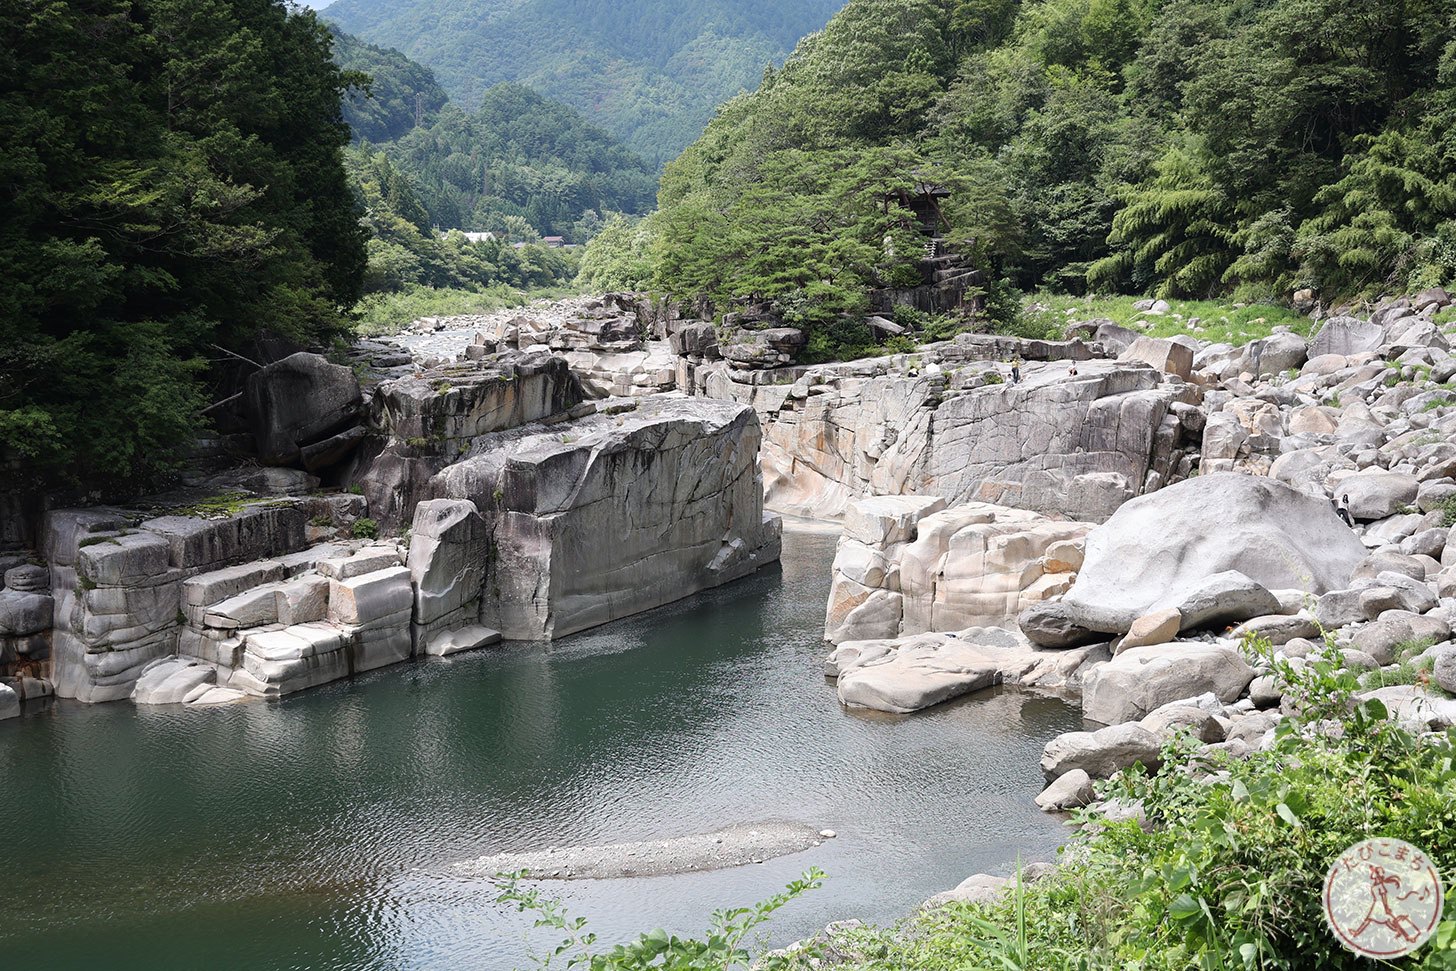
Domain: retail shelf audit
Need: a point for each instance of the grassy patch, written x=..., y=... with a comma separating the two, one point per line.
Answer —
x=217, y=507
x=1407, y=668
x=381, y=314
x=1218, y=322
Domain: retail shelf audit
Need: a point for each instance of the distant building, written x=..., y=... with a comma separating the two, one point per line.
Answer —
x=479, y=237
x=553, y=242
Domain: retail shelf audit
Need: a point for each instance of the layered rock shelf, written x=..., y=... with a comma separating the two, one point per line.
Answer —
x=487, y=499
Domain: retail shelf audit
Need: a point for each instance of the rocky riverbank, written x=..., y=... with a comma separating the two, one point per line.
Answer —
x=1319, y=531
x=390, y=510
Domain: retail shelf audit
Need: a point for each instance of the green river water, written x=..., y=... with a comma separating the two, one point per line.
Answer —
x=317, y=832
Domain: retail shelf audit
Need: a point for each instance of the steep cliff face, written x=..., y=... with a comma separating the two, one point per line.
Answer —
x=617, y=513
x=1078, y=445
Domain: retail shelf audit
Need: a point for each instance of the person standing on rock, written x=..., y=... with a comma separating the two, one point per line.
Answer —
x=1342, y=507
x=1016, y=369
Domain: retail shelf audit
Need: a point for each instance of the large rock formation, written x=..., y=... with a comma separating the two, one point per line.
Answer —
x=948, y=423
x=425, y=421
x=27, y=613
x=117, y=584
x=449, y=556
x=531, y=509
x=304, y=410
x=1159, y=550
x=616, y=514
x=907, y=564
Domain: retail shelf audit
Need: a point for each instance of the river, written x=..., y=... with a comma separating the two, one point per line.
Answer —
x=317, y=832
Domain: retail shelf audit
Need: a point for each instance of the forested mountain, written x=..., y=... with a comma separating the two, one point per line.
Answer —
x=172, y=186
x=649, y=71
x=519, y=165
x=1185, y=148
x=406, y=252
x=521, y=155
x=398, y=95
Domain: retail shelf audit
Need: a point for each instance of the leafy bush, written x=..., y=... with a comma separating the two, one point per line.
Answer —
x=845, y=339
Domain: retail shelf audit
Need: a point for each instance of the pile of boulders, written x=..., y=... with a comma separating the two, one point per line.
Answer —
x=1206, y=591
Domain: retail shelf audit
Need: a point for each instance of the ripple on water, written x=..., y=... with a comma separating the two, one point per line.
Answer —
x=314, y=832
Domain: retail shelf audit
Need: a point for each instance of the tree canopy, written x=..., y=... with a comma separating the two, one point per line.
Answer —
x=398, y=95
x=1180, y=147
x=521, y=155
x=172, y=184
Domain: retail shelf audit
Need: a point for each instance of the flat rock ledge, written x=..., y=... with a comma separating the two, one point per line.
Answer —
x=719, y=850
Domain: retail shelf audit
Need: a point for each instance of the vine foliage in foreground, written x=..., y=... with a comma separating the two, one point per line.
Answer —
x=720, y=949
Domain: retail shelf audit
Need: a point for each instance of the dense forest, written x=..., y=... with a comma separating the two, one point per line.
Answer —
x=520, y=155
x=173, y=189
x=406, y=251
x=650, y=72
x=1245, y=147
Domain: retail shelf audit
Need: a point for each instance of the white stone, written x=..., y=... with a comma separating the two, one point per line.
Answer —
x=1157, y=550
x=1142, y=679
x=371, y=599
x=461, y=639
x=170, y=681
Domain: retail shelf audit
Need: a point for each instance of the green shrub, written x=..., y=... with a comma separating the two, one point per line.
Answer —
x=364, y=528
x=844, y=339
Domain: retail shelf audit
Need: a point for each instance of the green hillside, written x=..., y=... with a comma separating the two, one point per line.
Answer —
x=519, y=154
x=519, y=166
x=649, y=71
x=1182, y=148
x=399, y=93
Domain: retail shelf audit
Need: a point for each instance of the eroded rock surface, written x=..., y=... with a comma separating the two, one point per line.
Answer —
x=954, y=426
x=622, y=513
x=908, y=564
